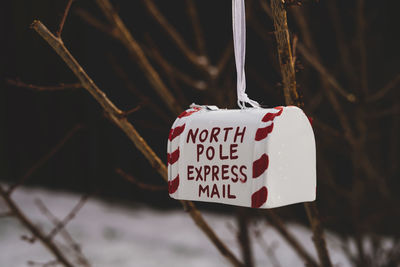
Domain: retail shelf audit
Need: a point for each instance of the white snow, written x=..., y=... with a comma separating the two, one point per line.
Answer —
x=119, y=236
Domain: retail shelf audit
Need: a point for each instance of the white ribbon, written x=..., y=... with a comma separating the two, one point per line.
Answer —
x=239, y=44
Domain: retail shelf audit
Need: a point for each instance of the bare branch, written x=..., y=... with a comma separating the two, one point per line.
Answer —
x=278, y=224
x=362, y=45
x=94, y=22
x=284, y=51
x=197, y=29
x=64, y=233
x=6, y=214
x=139, y=184
x=63, y=18
x=318, y=234
x=114, y=115
x=291, y=97
x=34, y=230
x=46, y=157
x=244, y=237
x=269, y=249
x=60, y=87
x=173, y=71
x=71, y=215
x=313, y=61
x=200, y=61
x=136, y=51
x=144, y=100
x=392, y=84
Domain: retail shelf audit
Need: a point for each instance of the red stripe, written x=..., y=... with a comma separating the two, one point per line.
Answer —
x=271, y=116
x=176, y=132
x=310, y=119
x=260, y=165
x=188, y=112
x=173, y=185
x=263, y=132
x=173, y=157
x=259, y=198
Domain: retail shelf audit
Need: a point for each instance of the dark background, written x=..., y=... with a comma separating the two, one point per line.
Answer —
x=33, y=122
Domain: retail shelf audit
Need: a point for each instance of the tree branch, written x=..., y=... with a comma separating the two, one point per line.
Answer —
x=63, y=18
x=46, y=157
x=278, y=224
x=60, y=87
x=114, y=115
x=139, y=184
x=64, y=233
x=36, y=232
x=291, y=98
x=125, y=37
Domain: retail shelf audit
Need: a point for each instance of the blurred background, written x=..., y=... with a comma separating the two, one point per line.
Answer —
x=346, y=58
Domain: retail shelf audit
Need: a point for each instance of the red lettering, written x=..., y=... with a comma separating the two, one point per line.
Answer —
x=198, y=177
x=214, y=132
x=203, y=135
x=222, y=157
x=215, y=170
x=224, y=172
x=192, y=135
x=238, y=133
x=229, y=192
x=210, y=157
x=189, y=172
x=204, y=190
x=234, y=173
x=200, y=149
x=244, y=178
x=233, y=151
x=227, y=129
x=214, y=191
x=207, y=170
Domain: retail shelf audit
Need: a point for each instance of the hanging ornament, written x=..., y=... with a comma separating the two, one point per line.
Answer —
x=252, y=157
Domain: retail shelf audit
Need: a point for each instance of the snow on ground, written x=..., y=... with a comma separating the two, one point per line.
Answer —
x=118, y=236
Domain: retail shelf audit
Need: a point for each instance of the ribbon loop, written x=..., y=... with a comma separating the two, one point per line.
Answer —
x=239, y=44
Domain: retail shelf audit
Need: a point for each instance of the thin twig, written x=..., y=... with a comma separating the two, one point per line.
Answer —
x=362, y=45
x=197, y=29
x=139, y=184
x=392, y=84
x=35, y=231
x=269, y=249
x=64, y=233
x=199, y=61
x=344, y=51
x=144, y=100
x=291, y=98
x=318, y=234
x=41, y=264
x=244, y=237
x=114, y=115
x=46, y=157
x=313, y=61
x=94, y=22
x=71, y=215
x=278, y=224
x=6, y=214
x=132, y=110
x=173, y=71
x=63, y=18
x=60, y=87
x=126, y=38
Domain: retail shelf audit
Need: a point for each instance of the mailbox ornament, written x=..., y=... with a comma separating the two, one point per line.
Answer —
x=252, y=157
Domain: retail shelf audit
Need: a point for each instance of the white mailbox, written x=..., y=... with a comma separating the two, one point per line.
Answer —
x=253, y=157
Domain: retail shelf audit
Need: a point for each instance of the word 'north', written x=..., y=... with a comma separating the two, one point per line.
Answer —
x=216, y=134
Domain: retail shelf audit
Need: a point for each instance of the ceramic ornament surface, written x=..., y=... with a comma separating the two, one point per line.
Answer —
x=254, y=157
